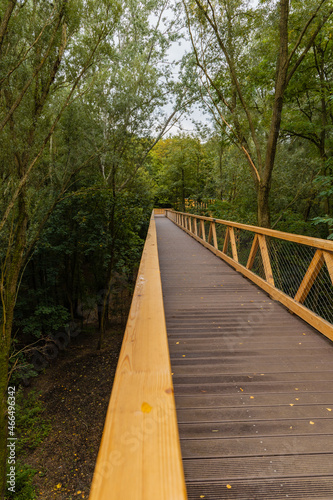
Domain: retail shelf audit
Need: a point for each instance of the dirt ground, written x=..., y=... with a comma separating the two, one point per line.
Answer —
x=75, y=391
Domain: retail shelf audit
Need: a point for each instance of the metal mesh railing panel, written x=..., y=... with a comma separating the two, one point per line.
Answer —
x=320, y=296
x=289, y=262
x=258, y=266
x=220, y=235
x=244, y=240
x=207, y=226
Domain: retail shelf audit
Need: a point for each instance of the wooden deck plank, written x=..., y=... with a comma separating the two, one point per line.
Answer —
x=241, y=364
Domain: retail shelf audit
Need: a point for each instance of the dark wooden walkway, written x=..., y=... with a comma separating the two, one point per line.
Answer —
x=253, y=384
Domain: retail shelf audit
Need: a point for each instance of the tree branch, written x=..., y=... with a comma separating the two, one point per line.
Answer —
x=213, y=24
x=25, y=177
x=308, y=46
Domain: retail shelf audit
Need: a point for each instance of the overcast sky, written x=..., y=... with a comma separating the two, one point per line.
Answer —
x=186, y=123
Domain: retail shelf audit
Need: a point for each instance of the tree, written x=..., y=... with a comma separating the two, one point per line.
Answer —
x=39, y=83
x=309, y=115
x=181, y=168
x=229, y=49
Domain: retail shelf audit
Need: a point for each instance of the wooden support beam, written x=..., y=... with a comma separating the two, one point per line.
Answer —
x=214, y=235
x=195, y=226
x=202, y=230
x=310, y=276
x=140, y=457
x=226, y=241
x=266, y=259
x=233, y=244
x=209, y=233
x=328, y=256
x=253, y=252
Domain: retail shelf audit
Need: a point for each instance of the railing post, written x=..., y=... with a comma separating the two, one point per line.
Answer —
x=329, y=263
x=233, y=244
x=265, y=259
x=226, y=241
x=253, y=252
x=202, y=229
x=212, y=234
x=195, y=226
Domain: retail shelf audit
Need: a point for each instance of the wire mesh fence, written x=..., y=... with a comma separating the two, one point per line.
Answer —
x=320, y=296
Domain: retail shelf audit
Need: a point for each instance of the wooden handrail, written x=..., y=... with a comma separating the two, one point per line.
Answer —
x=159, y=211
x=139, y=456
x=296, y=238
x=323, y=256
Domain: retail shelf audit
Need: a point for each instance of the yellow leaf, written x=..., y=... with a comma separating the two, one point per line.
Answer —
x=177, y=342
x=291, y=404
x=59, y=485
x=312, y=423
x=241, y=389
x=202, y=496
x=329, y=409
x=228, y=486
x=184, y=355
x=251, y=397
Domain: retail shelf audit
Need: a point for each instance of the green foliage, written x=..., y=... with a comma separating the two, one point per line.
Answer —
x=325, y=220
x=32, y=428
x=24, y=489
x=45, y=320
x=31, y=425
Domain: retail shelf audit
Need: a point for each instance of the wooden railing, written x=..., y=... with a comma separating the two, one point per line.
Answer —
x=140, y=457
x=285, y=265
x=159, y=211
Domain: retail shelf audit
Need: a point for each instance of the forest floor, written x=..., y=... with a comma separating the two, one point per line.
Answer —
x=74, y=391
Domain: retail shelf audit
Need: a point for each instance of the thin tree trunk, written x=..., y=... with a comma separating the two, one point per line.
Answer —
x=183, y=190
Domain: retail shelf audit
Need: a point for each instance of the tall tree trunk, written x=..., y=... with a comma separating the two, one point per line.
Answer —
x=103, y=315
x=264, y=218
x=183, y=190
x=280, y=86
x=9, y=286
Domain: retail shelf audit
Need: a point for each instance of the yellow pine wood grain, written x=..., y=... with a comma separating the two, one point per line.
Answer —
x=140, y=457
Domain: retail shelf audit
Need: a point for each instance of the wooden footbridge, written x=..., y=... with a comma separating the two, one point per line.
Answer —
x=224, y=386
